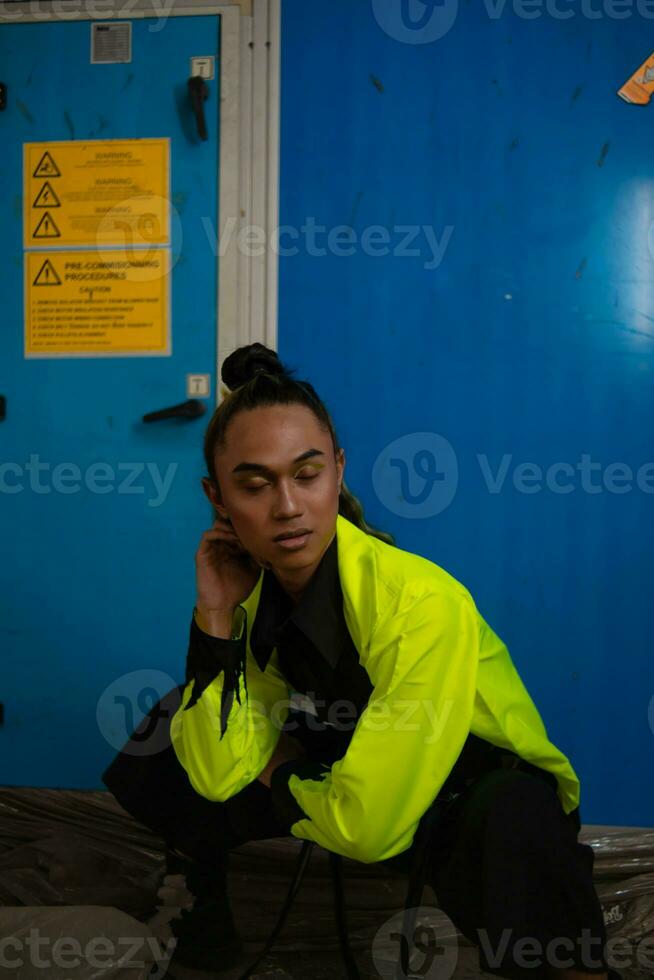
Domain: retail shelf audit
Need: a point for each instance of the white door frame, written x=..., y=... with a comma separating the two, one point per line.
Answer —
x=248, y=179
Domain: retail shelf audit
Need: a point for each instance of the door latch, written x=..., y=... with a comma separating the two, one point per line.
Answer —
x=190, y=409
x=199, y=93
x=3, y=96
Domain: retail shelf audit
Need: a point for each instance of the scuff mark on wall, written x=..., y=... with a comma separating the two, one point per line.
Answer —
x=102, y=124
x=376, y=82
x=355, y=207
x=602, y=156
x=24, y=110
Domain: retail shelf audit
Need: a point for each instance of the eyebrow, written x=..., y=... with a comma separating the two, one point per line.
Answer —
x=260, y=468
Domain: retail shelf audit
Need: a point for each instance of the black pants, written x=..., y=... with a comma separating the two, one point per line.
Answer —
x=506, y=865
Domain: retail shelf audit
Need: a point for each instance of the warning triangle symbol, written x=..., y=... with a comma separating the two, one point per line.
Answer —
x=47, y=275
x=46, y=167
x=46, y=198
x=46, y=228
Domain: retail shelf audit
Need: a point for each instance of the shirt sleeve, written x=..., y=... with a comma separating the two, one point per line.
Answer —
x=231, y=715
x=207, y=656
x=422, y=659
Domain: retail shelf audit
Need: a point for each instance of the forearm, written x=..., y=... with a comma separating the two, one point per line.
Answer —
x=286, y=750
x=265, y=776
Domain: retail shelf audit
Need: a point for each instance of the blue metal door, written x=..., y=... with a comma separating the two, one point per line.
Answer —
x=497, y=286
x=101, y=512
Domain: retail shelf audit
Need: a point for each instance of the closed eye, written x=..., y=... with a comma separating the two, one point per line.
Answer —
x=262, y=485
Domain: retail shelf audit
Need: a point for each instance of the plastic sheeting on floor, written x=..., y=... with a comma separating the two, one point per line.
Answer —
x=67, y=849
x=78, y=943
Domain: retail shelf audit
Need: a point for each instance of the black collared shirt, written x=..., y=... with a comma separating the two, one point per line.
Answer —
x=316, y=653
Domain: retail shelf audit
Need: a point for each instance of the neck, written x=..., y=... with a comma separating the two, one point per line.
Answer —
x=295, y=581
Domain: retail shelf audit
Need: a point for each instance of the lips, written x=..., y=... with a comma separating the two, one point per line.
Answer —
x=292, y=534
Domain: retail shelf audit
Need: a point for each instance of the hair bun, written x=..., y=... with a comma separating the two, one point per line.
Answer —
x=244, y=363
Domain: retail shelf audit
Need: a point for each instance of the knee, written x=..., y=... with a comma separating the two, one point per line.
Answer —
x=526, y=813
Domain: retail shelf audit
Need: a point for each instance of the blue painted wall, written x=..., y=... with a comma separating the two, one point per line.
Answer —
x=530, y=339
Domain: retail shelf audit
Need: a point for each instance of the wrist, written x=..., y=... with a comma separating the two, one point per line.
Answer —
x=215, y=622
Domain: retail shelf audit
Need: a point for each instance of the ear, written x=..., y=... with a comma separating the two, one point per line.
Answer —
x=213, y=495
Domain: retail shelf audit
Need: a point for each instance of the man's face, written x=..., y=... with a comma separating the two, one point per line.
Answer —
x=278, y=474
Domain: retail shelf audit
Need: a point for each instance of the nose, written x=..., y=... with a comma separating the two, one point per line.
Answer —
x=286, y=501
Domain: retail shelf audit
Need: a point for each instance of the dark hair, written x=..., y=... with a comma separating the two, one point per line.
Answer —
x=253, y=376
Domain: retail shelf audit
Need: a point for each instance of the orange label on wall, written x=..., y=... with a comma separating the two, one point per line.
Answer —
x=640, y=86
x=95, y=193
x=87, y=303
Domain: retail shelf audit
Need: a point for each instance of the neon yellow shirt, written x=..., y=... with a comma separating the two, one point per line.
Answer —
x=438, y=672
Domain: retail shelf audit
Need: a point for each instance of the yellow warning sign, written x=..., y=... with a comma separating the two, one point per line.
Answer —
x=46, y=198
x=46, y=167
x=91, y=303
x=46, y=228
x=105, y=192
x=47, y=275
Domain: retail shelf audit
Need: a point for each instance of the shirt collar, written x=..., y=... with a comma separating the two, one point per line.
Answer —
x=318, y=614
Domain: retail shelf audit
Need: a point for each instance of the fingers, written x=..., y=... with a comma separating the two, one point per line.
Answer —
x=223, y=537
x=219, y=532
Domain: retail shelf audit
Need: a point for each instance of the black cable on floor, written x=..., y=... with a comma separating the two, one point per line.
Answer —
x=303, y=861
x=336, y=863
